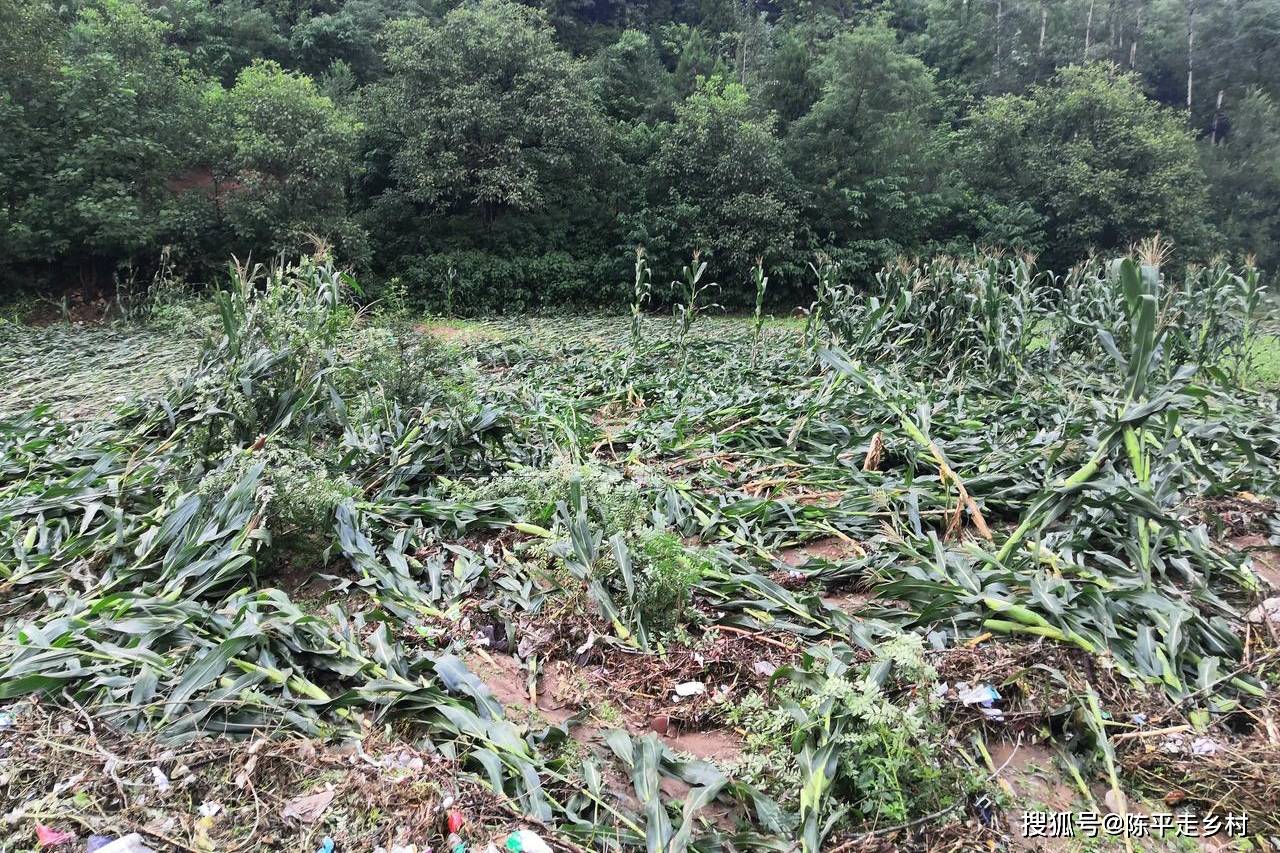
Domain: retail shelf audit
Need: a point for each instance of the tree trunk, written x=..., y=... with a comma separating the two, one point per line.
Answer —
x=999, y=41
x=1044, y=21
x=1216, y=113
x=1191, y=46
x=1088, y=30
x=1137, y=33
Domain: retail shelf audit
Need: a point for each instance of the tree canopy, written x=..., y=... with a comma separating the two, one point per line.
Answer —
x=513, y=141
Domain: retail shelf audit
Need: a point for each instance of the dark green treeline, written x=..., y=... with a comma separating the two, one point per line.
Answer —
x=507, y=156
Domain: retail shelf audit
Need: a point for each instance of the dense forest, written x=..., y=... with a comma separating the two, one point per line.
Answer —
x=499, y=156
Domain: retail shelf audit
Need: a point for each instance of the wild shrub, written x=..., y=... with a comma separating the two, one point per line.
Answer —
x=667, y=573
x=381, y=369
x=297, y=496
x=615, y=503
x=866, y=736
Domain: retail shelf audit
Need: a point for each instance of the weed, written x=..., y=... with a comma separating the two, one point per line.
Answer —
x=668, y=573
x=870, y=732
x=617, y=503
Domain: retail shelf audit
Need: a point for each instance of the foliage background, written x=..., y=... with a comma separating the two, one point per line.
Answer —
x=493, y=155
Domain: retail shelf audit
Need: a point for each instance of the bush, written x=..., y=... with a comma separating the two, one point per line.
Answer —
x=880, y=722
x=617, y=503
x=1099, y=164
x=297, y=497
x=470, y=282
x=383, y=370
x=668, y=573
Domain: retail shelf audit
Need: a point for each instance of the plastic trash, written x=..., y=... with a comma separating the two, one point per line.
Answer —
x=978, y=694
x=309, y=808
x=456, y=844
x=455, y=821
x=984, y=696
x=690, y=688
x=526, y=841
x=985, y=809
x=97, y=842
x=131, y=843
x=1205, y=746
x=326, y=845
x=47, y=836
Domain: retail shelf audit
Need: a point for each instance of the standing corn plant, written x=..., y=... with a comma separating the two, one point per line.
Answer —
x=691, y=291
x=761, y=282
x=828, y=274
x=641, y=293
x=450, y=285
x=1140, y=286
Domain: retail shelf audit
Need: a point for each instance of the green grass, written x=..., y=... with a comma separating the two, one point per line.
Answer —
x=1266, y=362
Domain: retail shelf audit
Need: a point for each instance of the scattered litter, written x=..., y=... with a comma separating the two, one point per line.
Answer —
x=456, y=844
x=1205, y=746
x=526, y=841
x=979, y=694
x=982, y=695
x=204, y=825
x=985, y=809
x=309, y=808
x=690, y=688
x=1179, y=744
x=586, y=646
x=403, y=760
x=182, y=775
x=6, y=721
x=97, y=842
x=160, y=780
x=131, y=843
x=1267, y=611
x=455, y=821
x=326, y=845
x=765, y=668
x=47, y=836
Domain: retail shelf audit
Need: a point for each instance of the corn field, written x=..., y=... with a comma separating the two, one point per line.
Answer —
x=985, y=452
